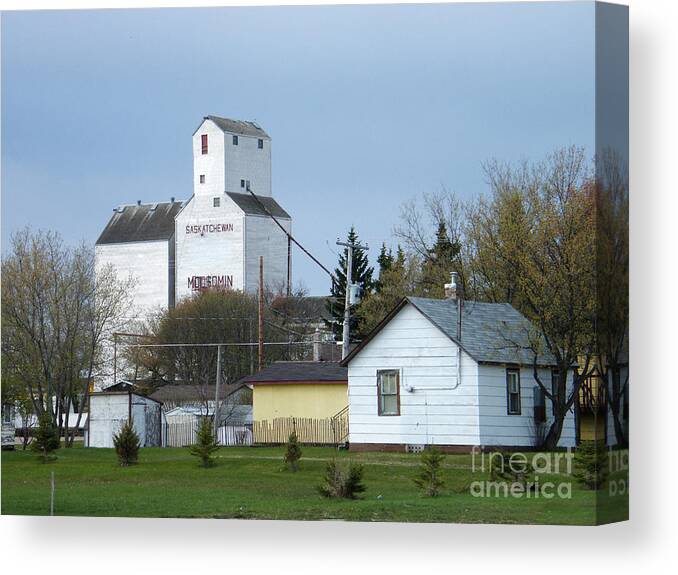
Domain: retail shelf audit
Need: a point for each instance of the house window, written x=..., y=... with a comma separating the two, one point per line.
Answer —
x=202, y=178
x=203, y=139
x=260, y=144
x=513, y=391
x=388, y=391
x=235, y=140
x=555, y=376
x=216, y=202
x=242, y=184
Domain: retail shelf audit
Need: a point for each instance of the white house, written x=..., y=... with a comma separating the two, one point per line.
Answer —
x=414, y=382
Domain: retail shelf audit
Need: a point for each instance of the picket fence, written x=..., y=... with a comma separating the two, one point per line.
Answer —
x=328, y=431
x=184, y=433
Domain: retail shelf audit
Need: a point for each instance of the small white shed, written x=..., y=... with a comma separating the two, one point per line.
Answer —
x=110, y=410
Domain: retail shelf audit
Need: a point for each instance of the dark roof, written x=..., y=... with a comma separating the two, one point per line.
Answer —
x=238, y=127
x=251, y=206
x=299, y=371
x=141, y=223
x=490, y=333
x=183, y=392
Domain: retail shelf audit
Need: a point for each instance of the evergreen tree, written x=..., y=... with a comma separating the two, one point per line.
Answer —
x=591, y=464
x=429, y=477
x=341, y=483
x=439, y=263
x=126, y=443
x=206, y=445
x=46, y=438
x=362, y=275
x=292, y=452
x=385, y=261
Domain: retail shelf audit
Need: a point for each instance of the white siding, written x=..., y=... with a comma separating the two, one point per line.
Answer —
x=213, y=253
x=264, y=238
x=147, y=263
x=108, y=413
x=431, y=414
x=212, y=164
x=497, y=427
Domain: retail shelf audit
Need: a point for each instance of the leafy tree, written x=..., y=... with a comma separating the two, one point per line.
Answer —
x=361, y=275
x=46, y=439
x=292, y=452
x=126, y=443
x=339, y=483
x=429, y=478
x=206, y=445
x=591, y=464
x=56, y=314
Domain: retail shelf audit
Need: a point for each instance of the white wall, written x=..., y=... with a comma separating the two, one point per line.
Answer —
x=147, y=263
x=264, y=238
x=211, y=164
x=427, y=359
x=214, y=253
x=499, y=428
x=108, y=413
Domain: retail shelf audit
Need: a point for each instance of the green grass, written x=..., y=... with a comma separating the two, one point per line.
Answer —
x=250, y=483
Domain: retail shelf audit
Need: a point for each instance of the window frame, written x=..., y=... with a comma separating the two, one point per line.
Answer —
x=235, y=140
x=555, y=376
x=380, y=411
x=516, y=371
x=216, y=202
x=202, y=178
x=260, y=143
x=242, y=184
x=204, y=144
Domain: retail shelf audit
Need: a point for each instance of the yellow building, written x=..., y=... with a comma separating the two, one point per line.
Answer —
x=311, y=389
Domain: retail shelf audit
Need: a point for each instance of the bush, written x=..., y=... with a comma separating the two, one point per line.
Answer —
x=207, y=443
x=428, y=478
x=339, y=483
x=126, y=443
x=46, y=438
x=293, y=452
x=591, y=465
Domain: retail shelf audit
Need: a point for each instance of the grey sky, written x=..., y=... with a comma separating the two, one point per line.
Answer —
x=367, y=106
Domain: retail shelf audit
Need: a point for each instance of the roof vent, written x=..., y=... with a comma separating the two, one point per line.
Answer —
x=172, y=199
x=138, y=202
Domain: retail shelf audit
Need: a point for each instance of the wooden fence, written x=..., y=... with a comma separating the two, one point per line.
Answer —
x=184, y=433
x=328, y=431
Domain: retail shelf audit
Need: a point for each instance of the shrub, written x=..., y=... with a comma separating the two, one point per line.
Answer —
x=429, y=477
x=591, y=465
x=46, y=438
x=339, y=483
x=207, y=443
x=292, y=452
x=126, y=443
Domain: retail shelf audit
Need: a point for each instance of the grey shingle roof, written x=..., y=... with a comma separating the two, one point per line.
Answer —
x=241, y=127
x=299, y=371
x=490, y=332
x=250, y=206
x=147, y=222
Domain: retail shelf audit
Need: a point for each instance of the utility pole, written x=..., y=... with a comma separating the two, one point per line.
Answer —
x=216, y=395
x=350, y=246
x=261, y=312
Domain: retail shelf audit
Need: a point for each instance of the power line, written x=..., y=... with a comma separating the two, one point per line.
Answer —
x=216, y=344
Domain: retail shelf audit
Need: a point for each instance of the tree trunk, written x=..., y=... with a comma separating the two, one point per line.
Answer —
x=553, y=434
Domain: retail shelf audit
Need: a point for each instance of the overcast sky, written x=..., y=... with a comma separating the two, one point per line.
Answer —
x=367, y=107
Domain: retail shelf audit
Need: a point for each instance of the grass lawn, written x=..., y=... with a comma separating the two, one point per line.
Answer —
x=250, y=483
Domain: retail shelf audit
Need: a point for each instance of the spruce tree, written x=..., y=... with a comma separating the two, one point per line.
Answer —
x=591, y=464
x=385, y=261
x=439, y=263
x=46, y=438
x=206, y=445
x=362, y=275
x=429, y=478
x=292, y=452
x=126, y=443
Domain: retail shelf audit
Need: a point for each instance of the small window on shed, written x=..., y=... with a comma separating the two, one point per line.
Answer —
x=260, y=144
x=216, y=202
x=247, y=185
x=235, y=140
x=203, y=139
x=242, y=184
x=202, y=178
x=513, y=391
